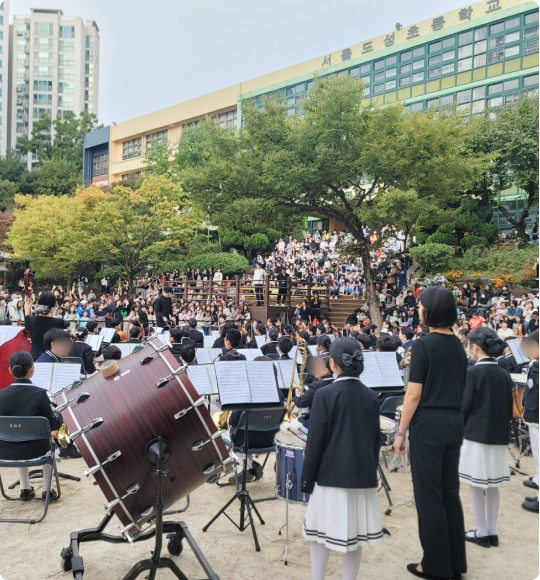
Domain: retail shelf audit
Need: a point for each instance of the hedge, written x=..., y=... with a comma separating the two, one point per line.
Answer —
x=230, y=264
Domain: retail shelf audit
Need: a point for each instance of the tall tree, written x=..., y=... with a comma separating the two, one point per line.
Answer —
x=317, y=164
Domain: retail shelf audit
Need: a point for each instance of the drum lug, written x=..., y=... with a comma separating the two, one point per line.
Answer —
x=129, y=491
x=95, y=423
x=149, y=357
x=78, y=399
x=183, y=412
x=200, y=444
x=162, y=382
x=146, y=513
x=210, y=469
x=92, y=470
x=73, y=385
x=127, y=536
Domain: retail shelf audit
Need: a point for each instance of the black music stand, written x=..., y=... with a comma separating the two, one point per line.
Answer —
x=157, y=453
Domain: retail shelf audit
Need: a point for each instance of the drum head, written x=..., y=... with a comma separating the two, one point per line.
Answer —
x=387, y=424
x=289, y=440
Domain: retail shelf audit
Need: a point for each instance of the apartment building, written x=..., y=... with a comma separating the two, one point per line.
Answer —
x=53, y=70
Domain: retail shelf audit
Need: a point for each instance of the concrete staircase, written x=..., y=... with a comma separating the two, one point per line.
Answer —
x=341, y=308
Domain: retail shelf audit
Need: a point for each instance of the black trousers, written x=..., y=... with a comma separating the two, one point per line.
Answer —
x=435, y=441
x=259, y=294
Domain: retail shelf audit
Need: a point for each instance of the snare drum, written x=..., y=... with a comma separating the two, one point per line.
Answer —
x=290, y=451
x=388, y=431
x=399, y=412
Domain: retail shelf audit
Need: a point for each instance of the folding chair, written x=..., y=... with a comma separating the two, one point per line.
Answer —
x=19, y=438
x=74, y=360
x=263, y=426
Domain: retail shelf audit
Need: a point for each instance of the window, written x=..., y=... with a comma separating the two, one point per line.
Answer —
x=479, y=93
x=463, y=97
x=366, y=92
x=391, y=72
x=43, y=43
x=378, y=64
x=20, y=113
x=65, y=75
x=42, y=100
x=494, y=89
x=66, y=60
x=188, y=126
x=480, y=34
x=21, y=72
x=89, y=54
x=66, y=102
x=530, y=80
x=377, y=89
x=90, y=40
x=156, y=140
x=478, y=106
x=511, y=51
x=532, y=17
x=67, y=46
x=531, y=31
x=530, y=46
x=100, y=164
x=416, y=78
x=390, y=85
x=391, y=60
x=447, y=100
x=66, y=88
x=43, y=29
x=365, y=68
x=89, y=68
x=497, y=102
x=39, y=112
x=418, y=64
x=67, y=32
x=43, y=57
x=132, y=148
x=464, y=51
x=417, y=107
x=43, y=86
x=435, y=47
x=465, y=64
x=366, y=80
x=496, y=28
x=465, y=38
x=405, y=81
x=355, y=72
x=406, y=68
x=432, y=103
x=434, y=73
x=495, y=55
x=420, y=51
x=89, y=82
x=227, y=119
x=448, y=42
x=496, y=41
x=378, y=77
x=433, y=60
x=480, y=60
x=512, y=37
x=43, y=71
x=511, y=98
x=405, y=56
x=448, y=68
x=512, y=23
x=480, y=47
x=450, y=55
x=296, y=89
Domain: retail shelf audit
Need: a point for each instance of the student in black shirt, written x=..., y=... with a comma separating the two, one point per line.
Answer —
x=319, y=367
x=42, y=322
x=232, y=339
x=270, y=348
x=487, y=411
x=81, y=349
x=22, y=398
x=433, y=409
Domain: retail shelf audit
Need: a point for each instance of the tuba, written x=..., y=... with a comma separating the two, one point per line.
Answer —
x=302, y=350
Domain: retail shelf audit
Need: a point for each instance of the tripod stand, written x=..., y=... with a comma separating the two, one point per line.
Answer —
x=242, y=495
x=157, y=453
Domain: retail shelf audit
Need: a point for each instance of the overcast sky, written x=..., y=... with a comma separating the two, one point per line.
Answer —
x=156, y=53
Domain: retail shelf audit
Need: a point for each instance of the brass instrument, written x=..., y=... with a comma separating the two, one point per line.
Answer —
x=221, y=420
x=62, y=435
x=302, y=349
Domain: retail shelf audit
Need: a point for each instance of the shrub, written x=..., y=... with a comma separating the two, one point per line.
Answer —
x=440, y=238
x=470, y=241
x=433, y=257
x=232, y=239
x=453, y=276
x=257, y=243
x=201, y=246
x=493, y=260
x=230, y=264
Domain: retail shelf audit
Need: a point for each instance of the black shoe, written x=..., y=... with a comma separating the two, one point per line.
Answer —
x=70, y=452
x=531, y=498
x=27, y=494
x=530, y=483
x=412, y=568
x=256, y=470
x=249, y=477
x=456, y=576
x=53, y=497
x=530, y=506
x=483, y=541
x=494, y=541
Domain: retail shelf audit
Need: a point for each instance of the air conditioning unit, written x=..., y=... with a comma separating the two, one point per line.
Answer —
x=19, y=89
x=19, y=33
x=24, y=131
x=19, y=101
x=27, y=34
x=25, y=117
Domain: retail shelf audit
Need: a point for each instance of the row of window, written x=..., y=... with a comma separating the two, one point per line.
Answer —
x=100, y=164
x=47, y=71
x=133, y=147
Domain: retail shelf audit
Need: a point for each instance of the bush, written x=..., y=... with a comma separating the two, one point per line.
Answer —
x=257, y=242
x=440, y=238
x=232, y=239
x=433, y=257
x=230, y=264
x=493, y=260
x=201, y=246
x=470, y=241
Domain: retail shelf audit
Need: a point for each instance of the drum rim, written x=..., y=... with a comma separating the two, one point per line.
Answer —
x=296, y=446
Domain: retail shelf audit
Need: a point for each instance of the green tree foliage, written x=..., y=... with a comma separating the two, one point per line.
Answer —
x=230, y=264
x=233, y=239
x=8, y=190
x=316, y=164
x=433, y=257
x=257, y=243
x=56, y=176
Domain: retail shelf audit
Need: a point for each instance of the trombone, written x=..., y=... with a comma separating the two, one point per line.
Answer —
x=302, y=350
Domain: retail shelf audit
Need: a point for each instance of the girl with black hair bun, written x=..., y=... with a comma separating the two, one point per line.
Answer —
x=81, y=349
x=23, y=399
x=340, y=465
x=487, y=411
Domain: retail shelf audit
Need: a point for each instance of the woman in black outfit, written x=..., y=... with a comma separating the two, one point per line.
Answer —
x=42, y=322
x=81, y=349
x=433, y=409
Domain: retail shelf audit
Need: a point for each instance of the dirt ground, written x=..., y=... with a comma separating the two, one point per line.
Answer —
x=32, y=552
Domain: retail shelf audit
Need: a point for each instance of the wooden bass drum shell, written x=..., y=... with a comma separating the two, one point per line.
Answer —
x=134, y=412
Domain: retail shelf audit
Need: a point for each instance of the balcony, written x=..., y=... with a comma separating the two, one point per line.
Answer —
x=27, y=48
x=24, y=116
x=26, y=34
x=26, y=62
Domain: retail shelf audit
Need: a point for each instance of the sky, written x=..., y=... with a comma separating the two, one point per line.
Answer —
x=157, y=53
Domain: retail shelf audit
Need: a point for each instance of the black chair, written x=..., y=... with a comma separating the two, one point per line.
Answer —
x=263, y=426
x=19, y=437
x=74, y=360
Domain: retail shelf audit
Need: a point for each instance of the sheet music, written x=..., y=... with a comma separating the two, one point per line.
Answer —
x=292, y=352
x=389, y=368
x=250, y=353
x=278, y=375
x=64, y=374
x=312, y=349
x=232, y=382
x=107, y=334
x=199, y=375
x=371, y=376
x=516, y=351
x=262, y=382
x=43, y=375
x=164, y=336
x=215, y=352
x=203, y=356
x=124, y=348
x=94, y=340
x=260, y=340
x=209, y=341
x=331, y=337
x=214, y=333
x=286, y=368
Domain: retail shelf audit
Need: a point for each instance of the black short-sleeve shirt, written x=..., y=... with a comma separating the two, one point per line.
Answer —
x=439, y=363
x=37, y=326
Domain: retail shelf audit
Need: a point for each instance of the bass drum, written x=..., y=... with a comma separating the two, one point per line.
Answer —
x=149, y=396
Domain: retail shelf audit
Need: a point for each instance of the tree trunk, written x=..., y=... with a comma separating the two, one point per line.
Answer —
x=372, y=298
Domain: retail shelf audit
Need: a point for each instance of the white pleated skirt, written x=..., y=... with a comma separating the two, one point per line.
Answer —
x=343, y=519
x=483, y=465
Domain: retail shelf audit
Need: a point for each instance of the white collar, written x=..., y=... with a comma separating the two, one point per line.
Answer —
x=340, y=378
x=53, y=355
x=486, y=360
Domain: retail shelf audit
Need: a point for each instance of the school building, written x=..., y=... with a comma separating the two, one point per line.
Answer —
x=482, y=55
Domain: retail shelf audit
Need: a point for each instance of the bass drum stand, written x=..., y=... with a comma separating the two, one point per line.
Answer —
x=157, y=453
